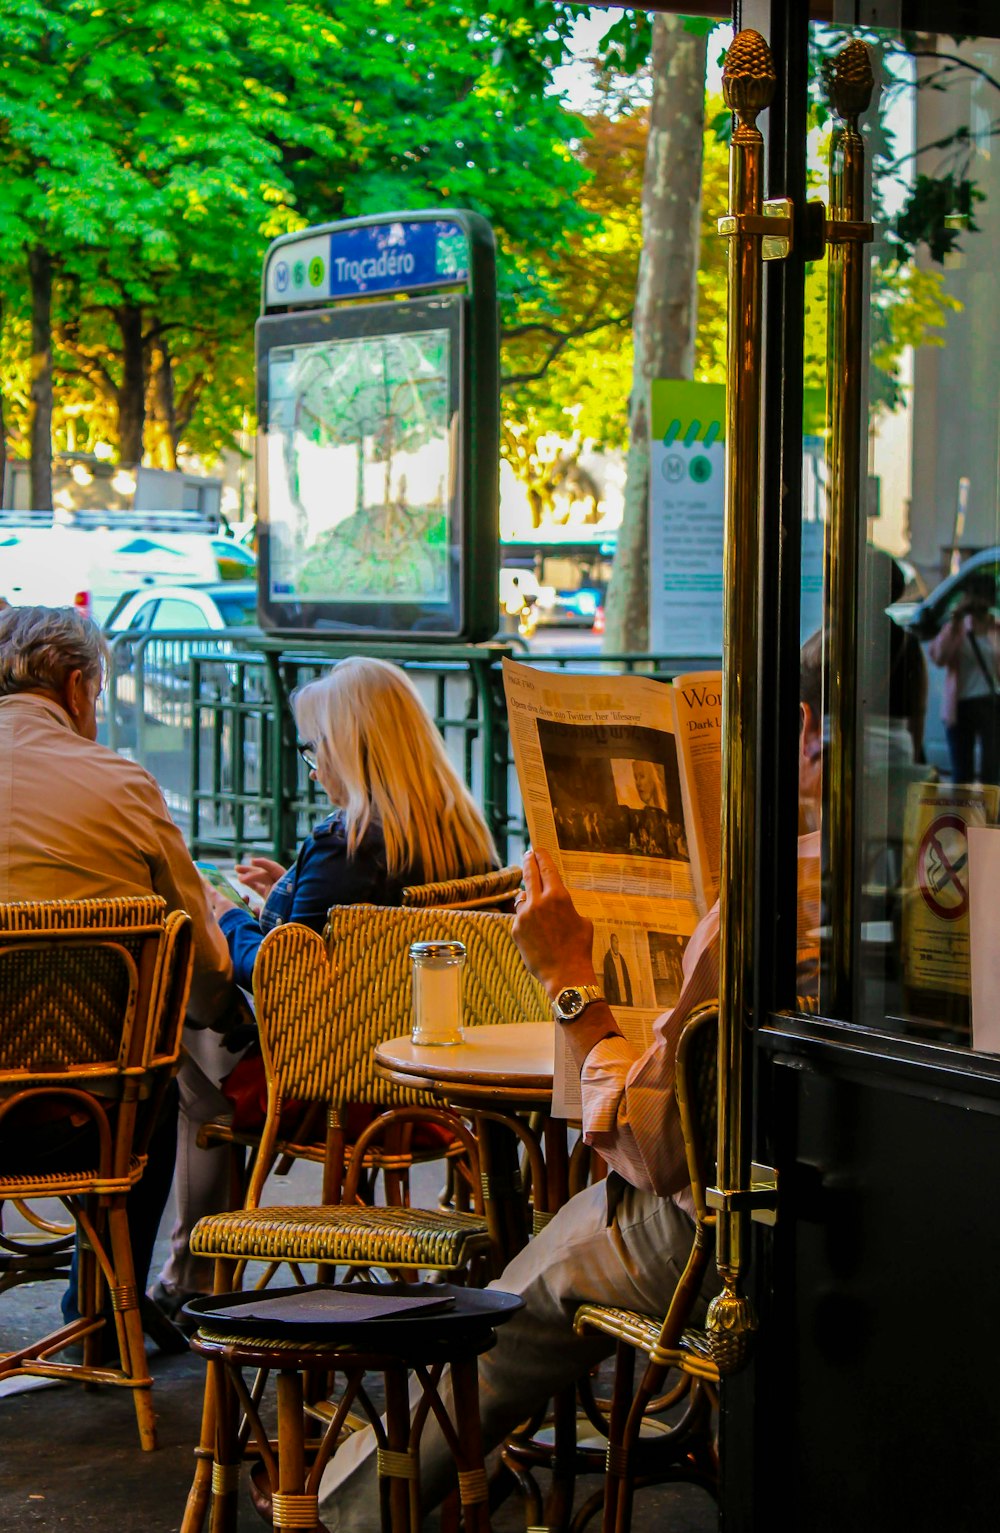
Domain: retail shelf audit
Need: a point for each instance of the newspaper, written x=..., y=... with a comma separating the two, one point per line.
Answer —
x=621, y=782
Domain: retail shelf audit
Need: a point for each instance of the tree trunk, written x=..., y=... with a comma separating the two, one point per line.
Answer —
x=666, y=303
x=40, y=398
x=132, y=394
x=162, y=414
x=3, y=430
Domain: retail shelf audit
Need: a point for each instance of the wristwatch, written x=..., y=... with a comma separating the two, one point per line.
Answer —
x=574, y=999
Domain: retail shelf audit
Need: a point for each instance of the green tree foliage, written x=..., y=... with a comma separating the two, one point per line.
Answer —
x=569, y=361
x=152, y=149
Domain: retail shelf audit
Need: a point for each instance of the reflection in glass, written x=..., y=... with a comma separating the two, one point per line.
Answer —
x=928, y=716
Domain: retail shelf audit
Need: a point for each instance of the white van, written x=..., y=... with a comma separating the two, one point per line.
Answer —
x=90, y=562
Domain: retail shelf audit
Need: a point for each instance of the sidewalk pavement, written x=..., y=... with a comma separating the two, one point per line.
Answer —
x=70, y=1460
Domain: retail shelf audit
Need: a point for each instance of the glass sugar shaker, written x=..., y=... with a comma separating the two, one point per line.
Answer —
x=437, y=991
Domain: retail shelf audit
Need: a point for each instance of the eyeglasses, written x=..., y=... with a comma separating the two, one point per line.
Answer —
x=307, y=751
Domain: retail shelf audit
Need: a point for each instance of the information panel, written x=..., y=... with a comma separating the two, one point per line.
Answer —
x=687, y=515
x=379, y=461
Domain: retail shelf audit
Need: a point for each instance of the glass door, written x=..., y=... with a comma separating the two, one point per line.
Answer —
x=904, y=712
x=860, y=1108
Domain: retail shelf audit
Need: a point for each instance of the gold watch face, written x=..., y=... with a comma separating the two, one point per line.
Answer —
x=570, y=1002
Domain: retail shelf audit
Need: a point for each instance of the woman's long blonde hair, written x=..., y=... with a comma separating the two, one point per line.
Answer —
x=365, y=717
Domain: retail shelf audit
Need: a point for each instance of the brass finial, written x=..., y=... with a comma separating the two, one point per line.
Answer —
x=748, y=77
x=851, y=81
x=731, y=1325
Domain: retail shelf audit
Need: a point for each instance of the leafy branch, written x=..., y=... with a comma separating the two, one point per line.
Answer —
x=561, y=339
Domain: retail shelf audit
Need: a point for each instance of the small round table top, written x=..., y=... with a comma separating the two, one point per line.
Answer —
x=514, y=1056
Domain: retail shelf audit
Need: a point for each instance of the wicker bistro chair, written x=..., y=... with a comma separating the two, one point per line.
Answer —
x=685, y=1448
x=302, y=1134
x=370, y=949
x=321, y=1010
x=480, y=891
x=92, y=1001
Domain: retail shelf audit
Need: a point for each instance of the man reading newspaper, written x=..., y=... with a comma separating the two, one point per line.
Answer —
x=620, y=1242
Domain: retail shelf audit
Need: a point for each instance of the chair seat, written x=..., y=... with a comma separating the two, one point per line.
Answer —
x=361, y=1236
x=643, y=1332
x=67, y=1184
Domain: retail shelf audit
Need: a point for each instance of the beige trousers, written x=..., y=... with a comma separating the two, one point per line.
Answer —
x=201, y=1177
x=576, y=1259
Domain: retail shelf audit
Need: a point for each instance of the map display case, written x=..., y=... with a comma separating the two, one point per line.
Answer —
x=378, y=468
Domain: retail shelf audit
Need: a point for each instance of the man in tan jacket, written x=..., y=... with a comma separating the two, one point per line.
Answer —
x=78, y=821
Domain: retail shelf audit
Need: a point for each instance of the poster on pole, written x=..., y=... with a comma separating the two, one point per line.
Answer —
x=686, y=516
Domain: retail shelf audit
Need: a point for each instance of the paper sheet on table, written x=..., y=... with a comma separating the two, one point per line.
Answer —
x=984, y=902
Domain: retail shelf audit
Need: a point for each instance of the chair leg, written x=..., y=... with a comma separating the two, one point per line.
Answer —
x=617, y=1467
x=88, y=1280
x=128, y=1323
x=226, y=1453
x=650, y=1385
x=204, y=1457
x=206, y=1478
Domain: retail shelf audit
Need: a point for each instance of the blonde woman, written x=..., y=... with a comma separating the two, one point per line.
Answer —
x=402, y=816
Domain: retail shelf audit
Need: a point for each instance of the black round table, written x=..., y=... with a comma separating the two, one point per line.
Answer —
x=295, y=1332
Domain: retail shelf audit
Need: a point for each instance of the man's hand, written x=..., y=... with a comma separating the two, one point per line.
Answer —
x=556, y=942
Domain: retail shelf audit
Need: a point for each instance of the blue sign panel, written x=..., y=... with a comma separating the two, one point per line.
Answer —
x=397, y=257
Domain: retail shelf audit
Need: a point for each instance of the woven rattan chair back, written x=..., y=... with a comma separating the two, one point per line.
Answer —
x=76, y=974
x=697, y=1089
x=322, y=1009
x=92, y=1000
x=480, y=891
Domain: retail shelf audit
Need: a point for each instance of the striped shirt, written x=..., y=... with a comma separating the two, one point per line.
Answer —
x=629, y=1113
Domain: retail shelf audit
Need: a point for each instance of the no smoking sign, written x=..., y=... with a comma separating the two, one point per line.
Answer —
x=943, y=867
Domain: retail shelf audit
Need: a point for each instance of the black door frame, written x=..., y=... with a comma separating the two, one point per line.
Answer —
x=789, y=1052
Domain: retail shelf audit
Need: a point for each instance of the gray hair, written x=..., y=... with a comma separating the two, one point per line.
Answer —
x=41, y=646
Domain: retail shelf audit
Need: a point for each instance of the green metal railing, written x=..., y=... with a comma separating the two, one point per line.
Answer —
x=249, y=791
x=145, y=711
x=209, y=716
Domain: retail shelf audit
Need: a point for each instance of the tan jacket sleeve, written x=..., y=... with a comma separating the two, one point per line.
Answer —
x=175, y=877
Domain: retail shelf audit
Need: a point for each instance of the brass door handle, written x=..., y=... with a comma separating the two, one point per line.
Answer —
x=847, y=231
x=748, y=83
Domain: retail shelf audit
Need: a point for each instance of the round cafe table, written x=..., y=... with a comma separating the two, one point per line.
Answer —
x=499, y=1077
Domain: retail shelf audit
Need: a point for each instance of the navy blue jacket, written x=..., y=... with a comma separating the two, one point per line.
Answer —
x=323, y=875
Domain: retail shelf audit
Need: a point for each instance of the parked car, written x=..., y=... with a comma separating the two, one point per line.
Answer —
x=928, y=616
x=185, y=609
x=568, y=609
x=183, y=615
